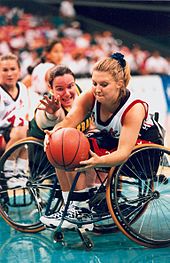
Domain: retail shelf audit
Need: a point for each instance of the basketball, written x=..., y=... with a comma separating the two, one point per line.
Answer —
x=66, y=148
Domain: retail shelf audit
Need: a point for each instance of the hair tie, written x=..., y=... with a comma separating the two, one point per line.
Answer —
x=120, y=58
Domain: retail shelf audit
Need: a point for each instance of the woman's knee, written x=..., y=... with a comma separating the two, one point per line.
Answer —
x=18, y=133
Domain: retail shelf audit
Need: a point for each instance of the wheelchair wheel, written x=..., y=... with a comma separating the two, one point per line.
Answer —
x=25, y=197
x=138, y=196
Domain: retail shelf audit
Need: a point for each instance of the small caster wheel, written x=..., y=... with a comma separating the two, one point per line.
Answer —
x=58, y=237
x=88, y=244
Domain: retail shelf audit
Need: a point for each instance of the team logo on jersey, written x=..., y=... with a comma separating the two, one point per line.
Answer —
x=114, y=133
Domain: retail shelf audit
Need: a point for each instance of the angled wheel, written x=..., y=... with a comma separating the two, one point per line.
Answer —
x=138, y=196
x=25, y=197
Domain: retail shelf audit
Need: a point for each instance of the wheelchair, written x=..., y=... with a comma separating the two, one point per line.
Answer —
x=22, y=206
x=132, y=198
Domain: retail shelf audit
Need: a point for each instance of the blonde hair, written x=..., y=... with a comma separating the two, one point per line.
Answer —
x=10, y=56
x=115, y=69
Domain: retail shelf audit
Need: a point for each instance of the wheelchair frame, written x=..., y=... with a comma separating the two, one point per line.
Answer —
x=135, y=201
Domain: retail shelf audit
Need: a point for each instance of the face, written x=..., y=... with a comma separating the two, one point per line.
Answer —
x=56, y=54
x=65, y=87
x=9, y=72
x=104, y=87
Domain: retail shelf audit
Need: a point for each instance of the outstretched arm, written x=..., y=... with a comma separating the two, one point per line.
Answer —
x=49, y=112
x=82, y=106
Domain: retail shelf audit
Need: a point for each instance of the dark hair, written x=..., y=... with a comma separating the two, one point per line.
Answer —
x=50, y=46
x=59, y=70
x=120, y=58
x=42, y=59
x=48, y=49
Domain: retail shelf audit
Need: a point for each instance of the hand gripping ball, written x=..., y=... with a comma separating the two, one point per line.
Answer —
x=66, y=148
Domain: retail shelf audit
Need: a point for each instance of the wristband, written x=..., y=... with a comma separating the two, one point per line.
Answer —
x=50, y=117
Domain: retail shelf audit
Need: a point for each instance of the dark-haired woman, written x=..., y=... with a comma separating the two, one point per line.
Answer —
x=52, y=110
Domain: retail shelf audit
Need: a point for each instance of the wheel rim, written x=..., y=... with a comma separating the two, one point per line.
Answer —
x=22, y=206
x=140, y=200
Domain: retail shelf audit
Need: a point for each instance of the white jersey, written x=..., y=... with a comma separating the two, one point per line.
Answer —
x=39, y=84
x=13, y=112
x=114, y=123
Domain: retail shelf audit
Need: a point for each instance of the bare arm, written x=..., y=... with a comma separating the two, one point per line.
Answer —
x=81, y=107
x=128, y=137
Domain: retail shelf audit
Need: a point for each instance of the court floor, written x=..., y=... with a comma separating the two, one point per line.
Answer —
x=17, y=247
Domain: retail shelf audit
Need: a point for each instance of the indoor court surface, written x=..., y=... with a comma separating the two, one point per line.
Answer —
x=17, y=247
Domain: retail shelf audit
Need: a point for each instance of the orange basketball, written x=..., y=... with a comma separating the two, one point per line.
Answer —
x=66, y=148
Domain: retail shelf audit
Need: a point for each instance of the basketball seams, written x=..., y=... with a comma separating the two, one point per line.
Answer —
x=49, y=148
x=67, y=148
x=64, y=165
x=75, y=154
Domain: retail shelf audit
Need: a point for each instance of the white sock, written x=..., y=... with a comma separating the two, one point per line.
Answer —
x=65, y=196
x=22, y=164
x=9, y=165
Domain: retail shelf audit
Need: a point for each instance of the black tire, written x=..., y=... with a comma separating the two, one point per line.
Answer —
x=21, y=207
x=138, y=198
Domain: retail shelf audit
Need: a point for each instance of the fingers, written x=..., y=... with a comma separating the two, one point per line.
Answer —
x=56, y=129
x=46, y=140
x=47, y=136
x=48, y=132
x=92, y=153
x=82, y=169
x=56, y=100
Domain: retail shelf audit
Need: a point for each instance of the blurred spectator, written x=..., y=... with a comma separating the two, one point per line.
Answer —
x=83, y=41
x=53, y=55
x=78, y=62
x=156, y=64
x=32, y=33
x=4, y=47
x=72, y=30
x=67, y=10
x=28, y=57
x=136, y=57
x=17, y=41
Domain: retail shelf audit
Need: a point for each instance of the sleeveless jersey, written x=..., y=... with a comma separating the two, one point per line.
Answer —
x=13, y=112
x=114, y=124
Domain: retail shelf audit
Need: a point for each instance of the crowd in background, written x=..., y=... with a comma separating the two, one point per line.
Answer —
x=27, y=35
x=31, y=45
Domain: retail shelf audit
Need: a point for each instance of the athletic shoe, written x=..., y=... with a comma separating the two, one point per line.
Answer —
x=17, y=180
x=8, y=173
x=73, y=213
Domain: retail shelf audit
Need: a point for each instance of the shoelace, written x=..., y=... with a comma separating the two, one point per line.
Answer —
x=59, y=214
x=72, y=212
